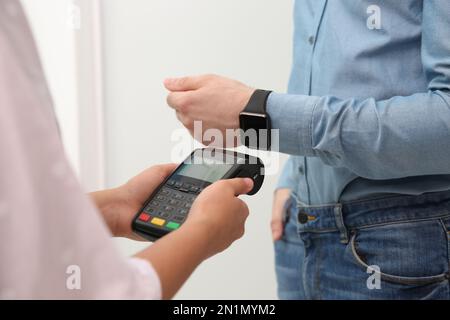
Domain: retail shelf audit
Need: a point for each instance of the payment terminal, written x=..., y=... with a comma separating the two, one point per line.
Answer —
x=167, y=208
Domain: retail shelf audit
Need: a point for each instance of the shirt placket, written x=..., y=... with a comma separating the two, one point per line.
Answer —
x=304, y=190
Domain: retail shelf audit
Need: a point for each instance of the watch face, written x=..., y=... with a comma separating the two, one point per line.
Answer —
x=255, y=128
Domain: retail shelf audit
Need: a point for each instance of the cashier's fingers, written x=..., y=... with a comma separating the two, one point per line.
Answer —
x=239, y=185
x=228, y=188
x=220, y=213
x=244, y=212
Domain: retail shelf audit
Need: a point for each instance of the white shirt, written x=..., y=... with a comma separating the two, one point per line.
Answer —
x=53, y=241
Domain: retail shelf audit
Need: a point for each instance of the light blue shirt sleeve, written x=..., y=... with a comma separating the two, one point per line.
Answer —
x=377, y=139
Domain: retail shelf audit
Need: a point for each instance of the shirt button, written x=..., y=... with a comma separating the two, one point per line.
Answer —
x=302, y=217
x=311, y=40
x=301, y=170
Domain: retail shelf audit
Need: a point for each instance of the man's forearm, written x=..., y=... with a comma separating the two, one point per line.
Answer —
x=394, y=138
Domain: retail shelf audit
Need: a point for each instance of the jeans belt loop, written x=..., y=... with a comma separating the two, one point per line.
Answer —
x=340, y=223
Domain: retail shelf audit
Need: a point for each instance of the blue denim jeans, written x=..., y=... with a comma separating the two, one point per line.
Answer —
x=389, y=248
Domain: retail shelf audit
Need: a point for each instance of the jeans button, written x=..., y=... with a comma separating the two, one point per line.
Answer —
x=302, y=217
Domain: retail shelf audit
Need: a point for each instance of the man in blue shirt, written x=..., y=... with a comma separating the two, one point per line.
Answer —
x=367, y=124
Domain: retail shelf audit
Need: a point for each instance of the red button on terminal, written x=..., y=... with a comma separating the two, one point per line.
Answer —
x=144, y=217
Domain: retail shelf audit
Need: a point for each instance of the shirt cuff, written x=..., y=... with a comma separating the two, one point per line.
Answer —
x=292, y=115
x=147, y=272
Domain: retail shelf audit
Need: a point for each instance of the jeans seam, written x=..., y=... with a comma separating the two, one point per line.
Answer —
x=447, y=235
x=444, y=227
x=393, y=196
x=300, y=203
x=303, y=276
x=402, y=221
x=369, y=226
x=318, y=265
x=303, y=279
x=318, y=230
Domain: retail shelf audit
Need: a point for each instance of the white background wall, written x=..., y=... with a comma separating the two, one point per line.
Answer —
x=144, y=42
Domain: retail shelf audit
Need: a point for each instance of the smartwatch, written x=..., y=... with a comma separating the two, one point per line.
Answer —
x=255, y=122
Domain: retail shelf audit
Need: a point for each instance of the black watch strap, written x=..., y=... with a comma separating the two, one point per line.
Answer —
x=258, y=102
x=255, y=117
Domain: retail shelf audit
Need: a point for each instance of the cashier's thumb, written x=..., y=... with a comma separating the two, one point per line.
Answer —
x=240, y=185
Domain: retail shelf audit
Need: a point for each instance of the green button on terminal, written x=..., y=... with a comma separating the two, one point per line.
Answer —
x=173, y=225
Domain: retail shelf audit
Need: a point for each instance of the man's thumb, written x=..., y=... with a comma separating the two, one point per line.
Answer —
x=182, y=84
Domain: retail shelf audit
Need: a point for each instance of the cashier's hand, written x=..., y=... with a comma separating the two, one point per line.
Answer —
x=219, y=215
x=214, y=100
x=118, y=206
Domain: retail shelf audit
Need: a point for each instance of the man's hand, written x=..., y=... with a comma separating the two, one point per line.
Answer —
x=118, y=206
x=277, y=225
x=212, y=99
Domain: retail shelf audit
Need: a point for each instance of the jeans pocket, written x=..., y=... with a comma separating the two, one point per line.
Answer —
x=409, y=253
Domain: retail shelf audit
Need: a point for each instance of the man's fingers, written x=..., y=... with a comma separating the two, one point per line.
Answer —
x=184, y=83
x=277, y=229
x=179, y=100
x=278, y=211
x=186, y=121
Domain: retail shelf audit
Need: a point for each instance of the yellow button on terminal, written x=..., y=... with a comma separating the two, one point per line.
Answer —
x=158, y=221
